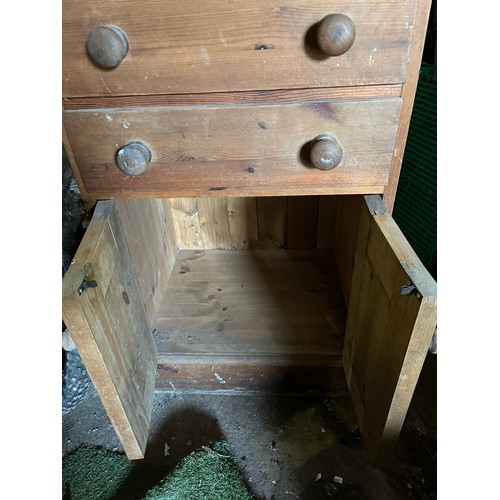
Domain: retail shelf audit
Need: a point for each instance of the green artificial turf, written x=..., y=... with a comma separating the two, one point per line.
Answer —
x=209, y=473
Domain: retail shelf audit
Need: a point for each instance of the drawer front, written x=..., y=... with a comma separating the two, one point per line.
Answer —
x=206, y=46
x=239, y=150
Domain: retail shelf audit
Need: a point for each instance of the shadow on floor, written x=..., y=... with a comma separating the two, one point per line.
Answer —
x=182, y=433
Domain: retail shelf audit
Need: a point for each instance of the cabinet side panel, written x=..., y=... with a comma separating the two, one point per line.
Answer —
x=408, y=98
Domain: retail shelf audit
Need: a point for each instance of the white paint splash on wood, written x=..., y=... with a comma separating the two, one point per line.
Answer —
x=219, y=378
x=204, y=54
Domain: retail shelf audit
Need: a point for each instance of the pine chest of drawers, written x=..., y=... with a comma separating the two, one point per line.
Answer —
x=235, y=156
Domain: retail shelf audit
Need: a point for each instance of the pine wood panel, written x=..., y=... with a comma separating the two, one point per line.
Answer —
x=186, y=220
x=298, y=222
x=273, y=375
x=272, y=222
x=151, y=241
x=243, y=222
x=408, y=98
x=214, y=223
x=110, y=327
x=209, y=46
x=252, y=303
x=241, y=97
x=344, y=237
x=387, y=334
x=232, y=150
x=302, y=222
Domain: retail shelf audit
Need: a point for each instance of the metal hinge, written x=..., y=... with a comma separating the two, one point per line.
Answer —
x=410, y=287
x=407, y=289
x=86, y=284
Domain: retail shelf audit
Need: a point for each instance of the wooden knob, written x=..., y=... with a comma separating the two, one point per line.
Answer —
x=107, y=45
x=326, y=152
x=134, y=158
x=336, y=33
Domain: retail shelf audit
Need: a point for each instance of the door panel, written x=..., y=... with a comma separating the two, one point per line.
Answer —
x=110, y=327
x=388, y=332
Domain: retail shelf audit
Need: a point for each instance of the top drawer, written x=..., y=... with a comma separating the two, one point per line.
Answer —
x=214, y=45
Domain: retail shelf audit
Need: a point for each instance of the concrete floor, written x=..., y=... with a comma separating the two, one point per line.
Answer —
x=286, y=447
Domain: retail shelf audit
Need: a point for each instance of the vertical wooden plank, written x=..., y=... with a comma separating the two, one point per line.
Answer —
x=326, y=219
x=74, y=166
x=408, y=98
x=302, y=222
x=152, y=247
x=171, y=241
x=214, y=223
x=242, y=222
x=186, y=220
x=387, y=333
x=272, y=222
x=344, y=237
x=110, y=327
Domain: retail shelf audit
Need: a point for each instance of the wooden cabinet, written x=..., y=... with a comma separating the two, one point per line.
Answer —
x=239, y=241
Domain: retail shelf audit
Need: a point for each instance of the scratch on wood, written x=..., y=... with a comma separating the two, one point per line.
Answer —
x=105, y=86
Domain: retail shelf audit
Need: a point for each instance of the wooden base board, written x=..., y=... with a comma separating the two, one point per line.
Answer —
x=252, y=321
x=252, y=375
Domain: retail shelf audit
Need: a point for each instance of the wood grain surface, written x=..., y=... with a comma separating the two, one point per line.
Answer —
x=110, y=328
x=311, y=375
x=288, y=222
x=239, y=150
x=150, y=234
x=387, y=334
x=248, y=97
x=252, y=304
x=217, y=46
x=408, y=98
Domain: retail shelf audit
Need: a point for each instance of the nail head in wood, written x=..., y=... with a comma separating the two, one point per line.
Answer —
x=134, y=158
x=107, y=45
x=336, y=33
x=326, y=152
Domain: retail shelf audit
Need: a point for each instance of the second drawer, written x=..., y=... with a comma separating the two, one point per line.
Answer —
x=239, y=150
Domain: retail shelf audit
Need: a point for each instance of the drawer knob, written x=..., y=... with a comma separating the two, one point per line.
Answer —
x=326, y=153
x=107, y=45
x=134, y=158
x=336, y=33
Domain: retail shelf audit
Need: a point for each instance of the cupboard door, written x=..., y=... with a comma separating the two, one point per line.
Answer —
x=109, y=324
x=391, y=320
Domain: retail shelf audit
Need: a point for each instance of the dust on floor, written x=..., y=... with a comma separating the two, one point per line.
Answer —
x=286, y=447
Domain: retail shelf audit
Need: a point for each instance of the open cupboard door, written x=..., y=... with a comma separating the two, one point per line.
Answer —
x=391, y=320
x=108, y=314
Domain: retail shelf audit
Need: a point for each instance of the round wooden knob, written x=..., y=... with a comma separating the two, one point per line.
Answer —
x=107, y=45
x=326, y=152
x=134, y=158
x=336, y=33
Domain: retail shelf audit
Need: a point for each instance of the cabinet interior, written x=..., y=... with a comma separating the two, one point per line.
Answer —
x=245, y=294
